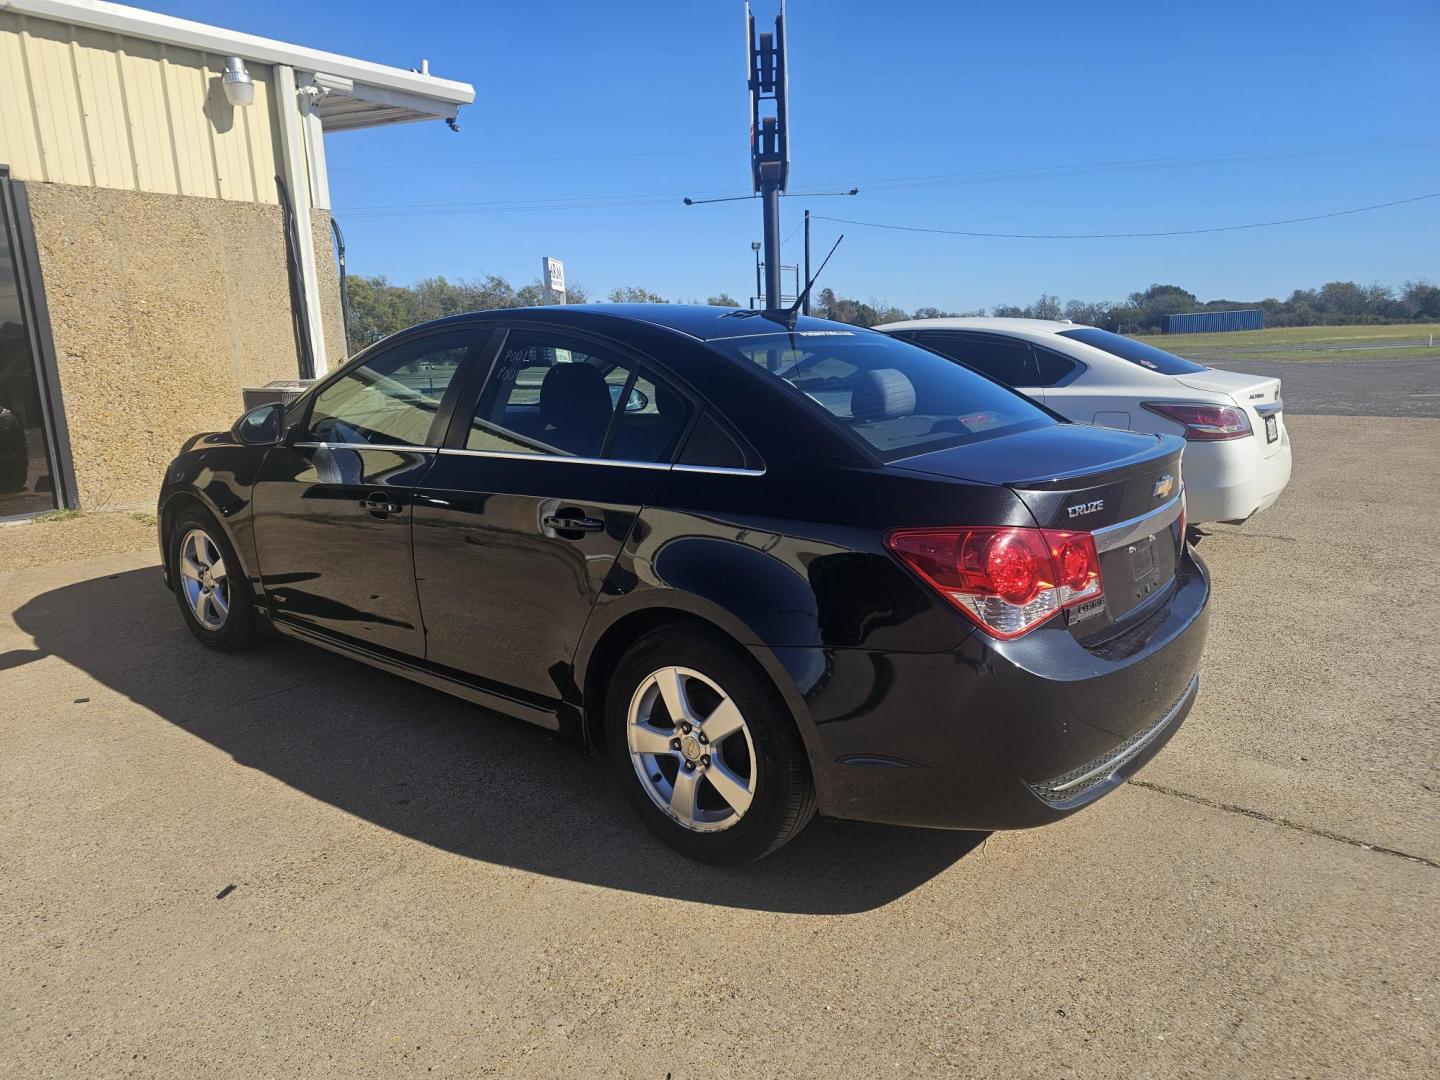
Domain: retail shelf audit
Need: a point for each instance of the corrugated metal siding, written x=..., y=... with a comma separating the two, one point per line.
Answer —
x=85, y=107
x=1214, y=322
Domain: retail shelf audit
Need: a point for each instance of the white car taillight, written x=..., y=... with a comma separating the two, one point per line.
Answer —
x=1204, y=423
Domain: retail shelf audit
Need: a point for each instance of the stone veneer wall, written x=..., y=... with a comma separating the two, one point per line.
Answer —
x=327, y=271
x=162, y=307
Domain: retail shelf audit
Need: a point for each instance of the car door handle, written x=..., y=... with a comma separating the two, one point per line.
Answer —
x=379, y=504
x=572, y=524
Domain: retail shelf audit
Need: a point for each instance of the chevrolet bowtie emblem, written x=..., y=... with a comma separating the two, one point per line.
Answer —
x=1164, y=486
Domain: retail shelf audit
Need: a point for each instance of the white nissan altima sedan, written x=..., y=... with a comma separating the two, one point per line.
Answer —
x=1237, y=453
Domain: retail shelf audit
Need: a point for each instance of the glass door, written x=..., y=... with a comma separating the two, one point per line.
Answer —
x=27, y=476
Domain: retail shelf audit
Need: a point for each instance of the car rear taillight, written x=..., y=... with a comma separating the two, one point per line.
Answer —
x=1008, y=580
x=1204, y=423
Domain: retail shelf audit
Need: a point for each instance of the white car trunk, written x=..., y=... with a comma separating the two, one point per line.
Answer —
x=1257, y=396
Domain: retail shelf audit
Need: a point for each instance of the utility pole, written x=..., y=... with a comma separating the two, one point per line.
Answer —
x=759, y=285
x=769, y=137
x=805, y=308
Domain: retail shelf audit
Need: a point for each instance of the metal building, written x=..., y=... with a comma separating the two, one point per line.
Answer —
x=165, y=233
x=1214, y=322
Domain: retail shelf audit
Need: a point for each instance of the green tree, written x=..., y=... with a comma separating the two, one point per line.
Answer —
x=378, y=309
x=533, y=295
x=635, y=294
x=1089, y=314
x=941, y=313
x=1158, y=301
x=1047, y=307
x=1344, y=301
x=1420, y=300
x=723, y=300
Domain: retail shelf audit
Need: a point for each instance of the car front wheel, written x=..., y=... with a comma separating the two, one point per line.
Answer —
x=209, y=582
x=705, y=749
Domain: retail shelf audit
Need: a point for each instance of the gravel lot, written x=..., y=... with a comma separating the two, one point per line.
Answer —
x=286, y=864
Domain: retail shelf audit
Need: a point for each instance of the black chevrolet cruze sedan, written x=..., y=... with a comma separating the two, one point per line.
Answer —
x=767, y=566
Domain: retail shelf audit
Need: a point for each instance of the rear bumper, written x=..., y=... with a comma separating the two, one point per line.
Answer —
x=1000, y=735
x=1234, y=480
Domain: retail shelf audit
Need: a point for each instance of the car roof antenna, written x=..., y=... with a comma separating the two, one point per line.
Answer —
x=791, y=315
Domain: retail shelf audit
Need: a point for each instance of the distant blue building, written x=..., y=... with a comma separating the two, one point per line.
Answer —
x=1214, y=322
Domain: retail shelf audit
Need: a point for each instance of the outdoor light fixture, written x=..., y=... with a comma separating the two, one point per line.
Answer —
x=239, y=87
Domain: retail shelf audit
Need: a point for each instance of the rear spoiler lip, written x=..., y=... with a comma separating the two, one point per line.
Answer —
x=1167, y=446
x=1154, y=451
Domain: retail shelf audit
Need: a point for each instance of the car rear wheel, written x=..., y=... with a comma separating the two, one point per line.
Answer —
x=209, y=583
x=704, y=748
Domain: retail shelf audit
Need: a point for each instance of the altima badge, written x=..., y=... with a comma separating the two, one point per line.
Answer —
x=1164, y=486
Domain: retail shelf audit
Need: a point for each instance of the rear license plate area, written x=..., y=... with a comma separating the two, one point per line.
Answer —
x=1272, y=428
x=1142, y=561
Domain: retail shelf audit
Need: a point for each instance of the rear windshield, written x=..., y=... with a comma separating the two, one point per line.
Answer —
x=900, y=399
x=1137, y=352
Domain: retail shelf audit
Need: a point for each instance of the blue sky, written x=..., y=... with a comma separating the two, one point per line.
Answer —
x=1273, y=110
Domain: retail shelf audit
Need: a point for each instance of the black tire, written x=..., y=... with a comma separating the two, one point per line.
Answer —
x=783, y=801
x=238, y=630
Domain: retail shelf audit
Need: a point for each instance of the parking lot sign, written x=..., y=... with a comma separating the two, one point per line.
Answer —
x=552, y=273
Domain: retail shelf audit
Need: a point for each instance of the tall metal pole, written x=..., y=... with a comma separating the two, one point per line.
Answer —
x=805, y=309
x=770, y=200
x=769, y=137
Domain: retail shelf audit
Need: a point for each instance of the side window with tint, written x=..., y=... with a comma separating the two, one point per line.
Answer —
x=1006, y=361
x=548, y=396
x=654, y=418
x=710, y=445
x=1054, y=369
x=392, y=399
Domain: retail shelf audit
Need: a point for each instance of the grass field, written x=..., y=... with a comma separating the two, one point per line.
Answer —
x=1408, y=340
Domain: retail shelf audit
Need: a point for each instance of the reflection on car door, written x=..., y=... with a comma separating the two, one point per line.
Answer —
x=520, y=520
x=332, y=505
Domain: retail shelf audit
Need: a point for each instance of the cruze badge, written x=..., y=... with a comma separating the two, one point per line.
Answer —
x=1081, y=509
x=1164, y=486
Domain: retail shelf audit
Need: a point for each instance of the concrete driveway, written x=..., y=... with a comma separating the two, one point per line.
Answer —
x=286, y=864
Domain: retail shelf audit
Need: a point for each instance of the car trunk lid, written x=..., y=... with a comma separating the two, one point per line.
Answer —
x=1258, y=396
x=1123, y=487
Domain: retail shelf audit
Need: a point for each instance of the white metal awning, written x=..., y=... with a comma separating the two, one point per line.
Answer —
x=354, y=93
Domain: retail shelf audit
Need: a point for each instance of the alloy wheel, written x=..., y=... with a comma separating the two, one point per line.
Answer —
x=691, y=749
x=204, y=579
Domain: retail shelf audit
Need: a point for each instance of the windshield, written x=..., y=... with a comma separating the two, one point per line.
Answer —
x=1137, y=352
x=900, y=399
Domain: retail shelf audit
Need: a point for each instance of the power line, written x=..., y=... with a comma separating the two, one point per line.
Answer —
x=1124, y=235
x=1219, y=159
x=890, y=183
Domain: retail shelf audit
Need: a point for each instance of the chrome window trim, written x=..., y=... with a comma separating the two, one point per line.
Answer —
x=503, y=456
x=362, y=446
x=718, y=470
x=1125, y=532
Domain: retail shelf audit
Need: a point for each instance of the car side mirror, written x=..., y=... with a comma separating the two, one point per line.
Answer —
x=262, y=426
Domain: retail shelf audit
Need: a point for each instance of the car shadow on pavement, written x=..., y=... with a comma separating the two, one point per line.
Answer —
x=440, y=771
